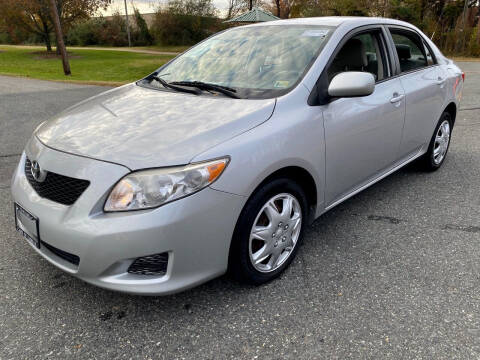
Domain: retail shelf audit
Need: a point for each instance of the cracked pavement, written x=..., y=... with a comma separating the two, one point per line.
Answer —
x=391, y=273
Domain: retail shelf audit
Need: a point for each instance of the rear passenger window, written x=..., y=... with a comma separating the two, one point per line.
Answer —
x=410, y=50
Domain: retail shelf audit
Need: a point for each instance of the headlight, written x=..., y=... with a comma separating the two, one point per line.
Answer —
x=152, y=188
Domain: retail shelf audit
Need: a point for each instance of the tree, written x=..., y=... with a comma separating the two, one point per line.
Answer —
x=144, y=37
x=192, y=7
x=35, y=16
x=284, y=8
x=59, y=33
x=237, y=6
x=234, y=8
x=71, y=11
x=114, y=31
x=185, y=22
x=32, y=16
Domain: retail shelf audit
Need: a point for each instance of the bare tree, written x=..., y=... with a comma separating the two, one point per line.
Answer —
x=234, y=7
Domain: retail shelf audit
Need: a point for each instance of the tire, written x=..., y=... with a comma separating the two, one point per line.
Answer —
x=431, y=161
x=282, y=234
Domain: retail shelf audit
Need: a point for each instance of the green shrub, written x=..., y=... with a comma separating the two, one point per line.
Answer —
x=141, y=34
x=4, y=38
x=86, y=33
x=114, y=31
x=185, y=22
x=473, y=46
x=110, y=32
x=180, y=29
x=99, y=31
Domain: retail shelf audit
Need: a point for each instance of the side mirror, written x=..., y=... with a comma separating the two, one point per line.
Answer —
x=351, y=84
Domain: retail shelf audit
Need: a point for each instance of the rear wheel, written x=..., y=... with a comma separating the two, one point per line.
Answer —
x=268, y=232
x=439, y=144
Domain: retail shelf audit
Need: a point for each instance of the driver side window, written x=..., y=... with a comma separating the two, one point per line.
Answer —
x=360, y=53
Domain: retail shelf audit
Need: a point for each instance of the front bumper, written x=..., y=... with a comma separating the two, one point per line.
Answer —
x=195, y=231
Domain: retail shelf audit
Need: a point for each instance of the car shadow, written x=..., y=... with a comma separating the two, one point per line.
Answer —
x=224, y=293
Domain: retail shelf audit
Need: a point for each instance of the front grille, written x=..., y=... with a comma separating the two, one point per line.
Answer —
x=150, y=265
x=59, y=188
x=73, y=259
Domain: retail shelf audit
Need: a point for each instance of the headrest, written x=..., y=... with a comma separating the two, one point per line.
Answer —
x=353, y=54
x=403, y=51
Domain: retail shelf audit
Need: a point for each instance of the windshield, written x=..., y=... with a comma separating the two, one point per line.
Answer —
x=258, y=62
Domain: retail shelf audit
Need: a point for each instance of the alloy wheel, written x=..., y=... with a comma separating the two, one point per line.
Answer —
x=442, y=139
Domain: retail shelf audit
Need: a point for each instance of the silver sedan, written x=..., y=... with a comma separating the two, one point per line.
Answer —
x=220, y=159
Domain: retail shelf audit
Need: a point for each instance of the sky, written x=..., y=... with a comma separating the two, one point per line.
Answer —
x=149, y=6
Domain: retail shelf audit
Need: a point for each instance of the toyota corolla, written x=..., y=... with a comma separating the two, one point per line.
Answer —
x=219, y=160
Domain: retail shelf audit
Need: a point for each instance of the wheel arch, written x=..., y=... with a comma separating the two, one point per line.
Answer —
x=303, y=178
x=299, y=175
x=452, y=110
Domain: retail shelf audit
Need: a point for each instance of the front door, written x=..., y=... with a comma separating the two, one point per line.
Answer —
x=363, y=134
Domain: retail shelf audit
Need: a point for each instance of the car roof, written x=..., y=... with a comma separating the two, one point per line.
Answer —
x=335, y=21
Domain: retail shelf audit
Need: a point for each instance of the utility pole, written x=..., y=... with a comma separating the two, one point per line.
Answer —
x=59, y=34
x=128, y=27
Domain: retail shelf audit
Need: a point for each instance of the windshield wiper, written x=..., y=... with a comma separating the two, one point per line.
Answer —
x=208, y=86
x=174, y=87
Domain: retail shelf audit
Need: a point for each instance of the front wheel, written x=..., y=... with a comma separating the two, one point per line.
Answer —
x=439, y=144
x=268, y=232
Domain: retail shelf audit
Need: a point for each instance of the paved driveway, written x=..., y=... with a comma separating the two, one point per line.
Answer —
x=392, y=273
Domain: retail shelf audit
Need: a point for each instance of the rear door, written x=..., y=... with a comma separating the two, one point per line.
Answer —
x=362, y=134
x=423, y=84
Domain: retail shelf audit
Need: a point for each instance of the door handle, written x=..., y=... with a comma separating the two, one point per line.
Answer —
x=396, y=98
x=440, y=81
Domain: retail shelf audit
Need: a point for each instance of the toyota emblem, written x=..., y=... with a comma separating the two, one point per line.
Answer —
x=38, y=174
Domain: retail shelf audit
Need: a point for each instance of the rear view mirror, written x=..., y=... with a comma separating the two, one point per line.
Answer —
x=351, y=84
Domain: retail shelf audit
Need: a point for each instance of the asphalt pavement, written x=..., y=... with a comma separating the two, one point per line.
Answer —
x=393, y=272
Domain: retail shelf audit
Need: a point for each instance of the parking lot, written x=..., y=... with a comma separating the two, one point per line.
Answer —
x=393, y=272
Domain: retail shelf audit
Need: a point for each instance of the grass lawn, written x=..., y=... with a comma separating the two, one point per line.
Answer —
x=177, y=49
x=160, y=48
x=88, y=66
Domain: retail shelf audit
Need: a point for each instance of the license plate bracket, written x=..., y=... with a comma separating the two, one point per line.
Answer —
x=27, y=225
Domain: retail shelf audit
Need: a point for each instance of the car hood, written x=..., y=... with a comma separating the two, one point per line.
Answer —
x=140, y=128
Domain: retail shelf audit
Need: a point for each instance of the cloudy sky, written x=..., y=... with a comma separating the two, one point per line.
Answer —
x=148, y=6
